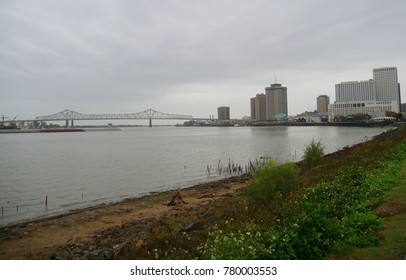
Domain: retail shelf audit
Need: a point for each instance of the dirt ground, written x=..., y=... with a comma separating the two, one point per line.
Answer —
x=95, y=233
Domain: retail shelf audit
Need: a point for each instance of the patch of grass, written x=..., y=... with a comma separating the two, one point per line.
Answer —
x=392, y=243
x=398, y=192
x=391, y=246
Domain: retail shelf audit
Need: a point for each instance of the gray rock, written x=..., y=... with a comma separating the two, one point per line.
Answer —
x=192, y=226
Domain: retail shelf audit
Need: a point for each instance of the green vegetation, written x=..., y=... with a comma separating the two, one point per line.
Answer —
x=331, y=218
x=272, y=183
x=313, y=154
x=392, y=244
x=327, y=207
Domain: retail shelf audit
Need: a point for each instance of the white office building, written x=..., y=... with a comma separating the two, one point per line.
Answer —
x=355, y=91
x=386, y=84
x=373, y=97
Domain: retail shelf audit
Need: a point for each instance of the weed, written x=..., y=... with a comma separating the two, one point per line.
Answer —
x=313, y=154
x=271, y=184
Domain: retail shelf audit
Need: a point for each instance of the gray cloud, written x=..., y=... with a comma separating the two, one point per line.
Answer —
x=188, y=56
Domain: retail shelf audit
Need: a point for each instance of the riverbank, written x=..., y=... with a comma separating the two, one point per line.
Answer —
x=335, y=207
x=98, y=232
x=134, y=228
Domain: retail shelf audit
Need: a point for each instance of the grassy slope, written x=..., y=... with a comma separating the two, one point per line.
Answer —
x=392, y=245
x=336, y=216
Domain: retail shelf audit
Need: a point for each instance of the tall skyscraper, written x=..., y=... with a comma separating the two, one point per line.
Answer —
x=322, y=103
x=253, y=113
x=276, y=101
x=386, y=85
x=223, y=113
x=260, y=107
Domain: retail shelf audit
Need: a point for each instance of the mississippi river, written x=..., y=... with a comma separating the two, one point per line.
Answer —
x=76, y=170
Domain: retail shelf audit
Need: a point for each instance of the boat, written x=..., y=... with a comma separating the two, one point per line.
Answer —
x=10, y=126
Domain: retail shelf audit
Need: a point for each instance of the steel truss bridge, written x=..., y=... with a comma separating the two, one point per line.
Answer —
x=68, y=115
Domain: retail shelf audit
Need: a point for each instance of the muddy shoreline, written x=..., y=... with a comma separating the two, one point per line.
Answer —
x=97, y=232
x=144, y=197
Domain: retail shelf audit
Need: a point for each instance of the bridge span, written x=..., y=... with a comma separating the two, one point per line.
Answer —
x=149, y=114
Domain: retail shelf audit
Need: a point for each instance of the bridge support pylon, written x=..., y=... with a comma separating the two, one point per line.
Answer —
x=150, y=122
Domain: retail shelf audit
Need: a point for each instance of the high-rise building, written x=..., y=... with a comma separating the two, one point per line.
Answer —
x=253, y=113
x=260, y=107
x=386, y=85
x=322, y=103
x=355, y=91
x=373, y=97
x=276, y=101
x=223, y=113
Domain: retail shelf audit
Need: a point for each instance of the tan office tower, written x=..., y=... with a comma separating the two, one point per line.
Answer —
x=322, y=103
x=260, y=107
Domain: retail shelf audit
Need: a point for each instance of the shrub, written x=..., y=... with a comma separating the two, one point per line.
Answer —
x=361, y=229
x=272, y=183
x=313, y=154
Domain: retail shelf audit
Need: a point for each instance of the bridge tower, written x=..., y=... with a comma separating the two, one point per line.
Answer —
x=67, y=123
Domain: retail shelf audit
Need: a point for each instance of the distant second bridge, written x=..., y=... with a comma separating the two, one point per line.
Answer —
x=68, y=115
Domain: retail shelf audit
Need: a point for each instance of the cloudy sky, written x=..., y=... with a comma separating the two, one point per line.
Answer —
x=189, y=56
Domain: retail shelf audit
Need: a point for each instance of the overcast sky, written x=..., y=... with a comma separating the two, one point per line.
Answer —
x=189, y=56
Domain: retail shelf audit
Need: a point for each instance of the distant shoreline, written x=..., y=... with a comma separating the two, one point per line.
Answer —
x=347, y=124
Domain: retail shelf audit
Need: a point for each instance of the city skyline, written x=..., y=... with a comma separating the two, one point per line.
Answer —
x=187, y=57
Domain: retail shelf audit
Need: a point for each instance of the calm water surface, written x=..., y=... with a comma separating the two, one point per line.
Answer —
x=76, y=170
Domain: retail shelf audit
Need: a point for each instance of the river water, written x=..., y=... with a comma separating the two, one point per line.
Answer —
x=76, y=170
